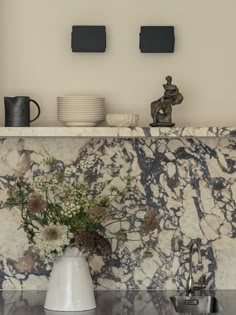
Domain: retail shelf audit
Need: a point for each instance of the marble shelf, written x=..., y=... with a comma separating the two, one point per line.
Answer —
x=120, y=132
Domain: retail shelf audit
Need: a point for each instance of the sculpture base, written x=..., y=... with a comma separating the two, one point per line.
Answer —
x=162, y=124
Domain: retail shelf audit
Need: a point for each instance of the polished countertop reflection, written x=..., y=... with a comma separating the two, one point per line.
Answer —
x=109, y=303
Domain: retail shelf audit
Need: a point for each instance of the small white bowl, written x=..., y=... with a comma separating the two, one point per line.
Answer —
x=122, y=120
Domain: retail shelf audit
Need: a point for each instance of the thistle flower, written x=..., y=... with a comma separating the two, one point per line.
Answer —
x=151, y=222
x=36, y=204
x=52, y=239
x=98, y=214
x=91, y=242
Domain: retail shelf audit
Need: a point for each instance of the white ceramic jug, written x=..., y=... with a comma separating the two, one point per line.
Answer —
x=70, y=286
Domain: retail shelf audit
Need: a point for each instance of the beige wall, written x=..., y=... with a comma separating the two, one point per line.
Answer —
x=35, y=55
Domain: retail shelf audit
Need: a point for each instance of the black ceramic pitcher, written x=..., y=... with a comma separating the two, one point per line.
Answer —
x=17, y=111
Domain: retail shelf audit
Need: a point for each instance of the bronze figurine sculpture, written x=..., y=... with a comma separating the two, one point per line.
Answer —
x=161, y=109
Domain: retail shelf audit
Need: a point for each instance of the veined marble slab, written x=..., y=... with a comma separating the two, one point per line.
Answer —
x=185, y=187
x=120, y=132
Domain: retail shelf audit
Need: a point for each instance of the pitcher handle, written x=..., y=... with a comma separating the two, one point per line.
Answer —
x=39, y=111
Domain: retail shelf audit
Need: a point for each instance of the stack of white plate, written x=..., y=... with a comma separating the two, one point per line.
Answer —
x=81, y=110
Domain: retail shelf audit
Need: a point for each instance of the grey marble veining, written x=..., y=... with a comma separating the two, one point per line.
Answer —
x=108, y=302
x=186, y=186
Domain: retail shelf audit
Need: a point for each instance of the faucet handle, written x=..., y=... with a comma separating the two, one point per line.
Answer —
x=203, y=281
x=201, y=284
x=200, y=266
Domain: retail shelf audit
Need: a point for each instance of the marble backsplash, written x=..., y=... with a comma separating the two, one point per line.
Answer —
x=189, y=184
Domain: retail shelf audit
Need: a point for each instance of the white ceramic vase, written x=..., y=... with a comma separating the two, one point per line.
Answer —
x=70, y=285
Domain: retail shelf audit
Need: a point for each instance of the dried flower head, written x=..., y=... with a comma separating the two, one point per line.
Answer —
x=91, y=242
x=151, y=222
x=98, y=214
x=36, y=204
x=51, y=233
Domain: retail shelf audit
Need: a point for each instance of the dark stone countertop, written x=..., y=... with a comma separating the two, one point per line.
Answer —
x=108, y=303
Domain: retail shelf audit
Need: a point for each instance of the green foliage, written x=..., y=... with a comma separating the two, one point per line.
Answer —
x=51, y=161
x=53, y=199
x=147, y=254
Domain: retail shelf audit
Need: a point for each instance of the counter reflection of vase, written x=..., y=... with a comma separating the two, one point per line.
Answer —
x=70, y=285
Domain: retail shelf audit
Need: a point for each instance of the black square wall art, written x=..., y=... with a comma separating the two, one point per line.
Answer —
x=88, y=39
x=157, y=39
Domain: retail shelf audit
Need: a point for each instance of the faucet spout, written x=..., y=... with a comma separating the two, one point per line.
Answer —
x=190, y=281
x=191, y=248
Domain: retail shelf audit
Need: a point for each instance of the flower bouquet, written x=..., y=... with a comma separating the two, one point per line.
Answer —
x=64, y=220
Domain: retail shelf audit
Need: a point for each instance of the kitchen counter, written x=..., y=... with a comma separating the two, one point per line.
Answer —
x=108, y=303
